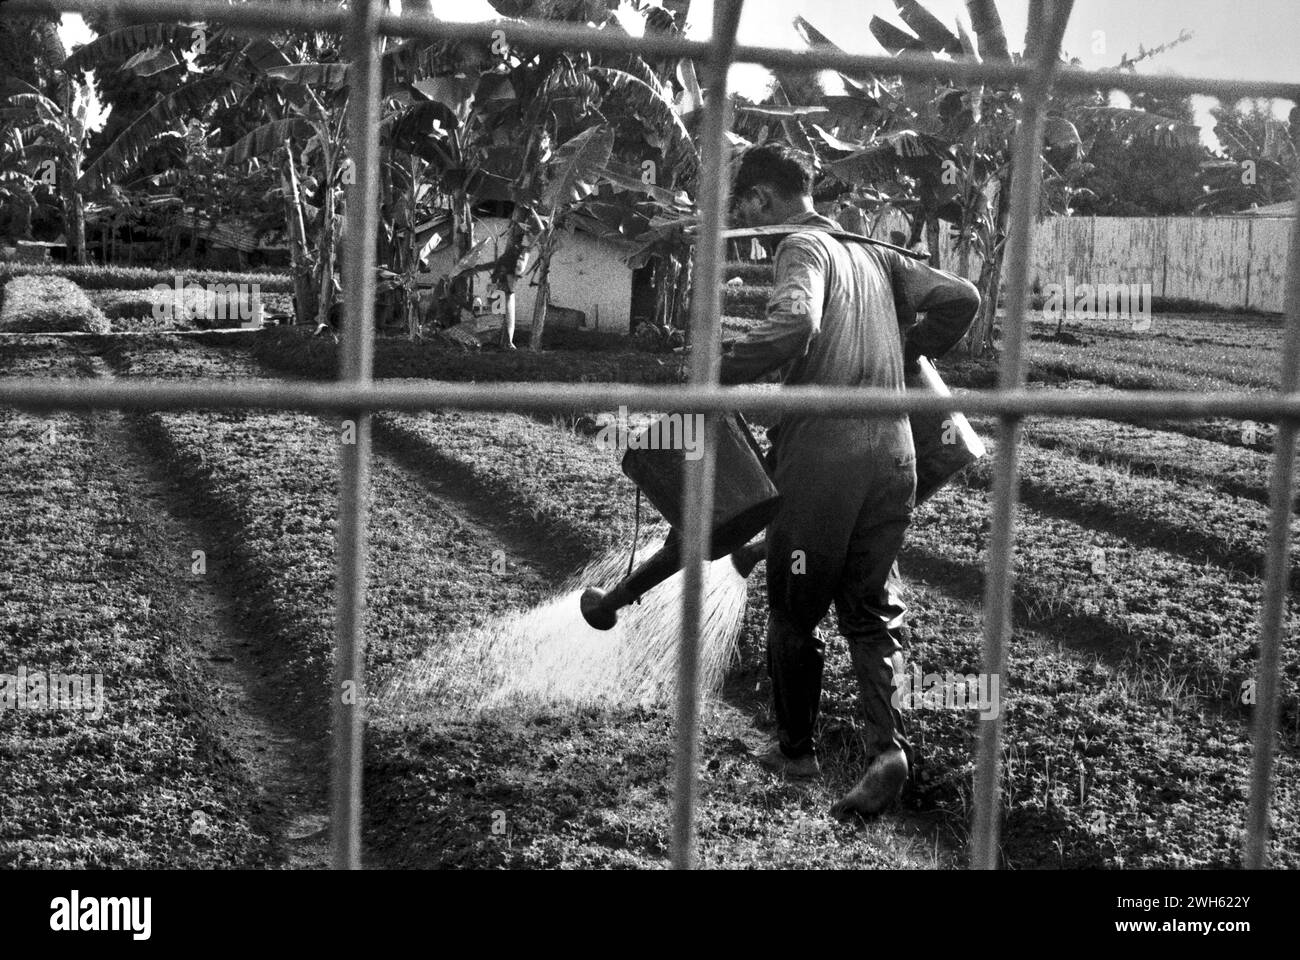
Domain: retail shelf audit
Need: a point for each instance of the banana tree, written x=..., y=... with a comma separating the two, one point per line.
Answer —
x=555, y=96
x=461, y=126
x=652, y=172
x=980, y=124
x=1259, y=157
x=312, y=98
x=223, y=78
x=20, y=164
x=410, y=189
x=52, y=136
x=571, y=176
x=560, y=97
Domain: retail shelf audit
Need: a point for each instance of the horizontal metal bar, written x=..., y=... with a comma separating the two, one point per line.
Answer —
x=548, y=35
x=526, y=397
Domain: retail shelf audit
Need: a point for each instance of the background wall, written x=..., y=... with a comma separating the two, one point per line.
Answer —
x=1222, y=261
x=586, y=274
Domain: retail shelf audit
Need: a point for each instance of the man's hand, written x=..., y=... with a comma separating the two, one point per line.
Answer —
x=911, y=360
x=949, y=303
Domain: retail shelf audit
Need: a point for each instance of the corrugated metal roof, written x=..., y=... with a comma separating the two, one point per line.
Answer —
x=1284, y=209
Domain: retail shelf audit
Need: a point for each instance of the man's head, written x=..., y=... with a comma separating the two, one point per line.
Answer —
x=772, y=185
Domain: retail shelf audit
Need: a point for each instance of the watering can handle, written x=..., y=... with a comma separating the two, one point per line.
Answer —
x=749, y=435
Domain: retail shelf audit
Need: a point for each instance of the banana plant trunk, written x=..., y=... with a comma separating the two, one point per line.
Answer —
x=411, y=256
x=79, y=225
x=980, y=339
x=325, y=255
x=543, y=301
x=681, y=303
x=303, y=298
x=74, y=206
x=932, y=237
x=462, y=287
x=74, y=213
x=508, y=323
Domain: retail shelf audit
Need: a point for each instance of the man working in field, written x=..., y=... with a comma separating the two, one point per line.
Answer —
x=842, y=314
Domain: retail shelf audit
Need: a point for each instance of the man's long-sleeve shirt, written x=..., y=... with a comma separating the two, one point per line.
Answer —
x=840, y=314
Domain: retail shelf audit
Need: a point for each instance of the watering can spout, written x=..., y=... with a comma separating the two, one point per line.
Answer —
x=600, y=607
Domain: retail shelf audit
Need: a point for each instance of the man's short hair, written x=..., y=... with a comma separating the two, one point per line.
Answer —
x=775, y=165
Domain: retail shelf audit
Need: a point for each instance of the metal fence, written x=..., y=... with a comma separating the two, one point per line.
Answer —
x=356, y=396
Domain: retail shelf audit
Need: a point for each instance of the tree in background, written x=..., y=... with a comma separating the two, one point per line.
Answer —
x=43, y=129
x=1257, y=160
x=22, y=40
x=956, y=144
x=1136, y=171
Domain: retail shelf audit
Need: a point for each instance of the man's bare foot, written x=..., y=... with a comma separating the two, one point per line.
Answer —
x=880, y=786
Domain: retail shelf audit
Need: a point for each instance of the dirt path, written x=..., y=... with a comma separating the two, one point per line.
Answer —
x=286, y=760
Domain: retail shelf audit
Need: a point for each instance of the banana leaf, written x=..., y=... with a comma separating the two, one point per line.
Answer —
x=333, y=76
x=574, y=171
x=266, y=139
x=120, y=46
x=937, y=37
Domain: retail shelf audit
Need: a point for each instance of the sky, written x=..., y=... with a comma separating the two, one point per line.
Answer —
x=1245, y=39
x=1248, y=39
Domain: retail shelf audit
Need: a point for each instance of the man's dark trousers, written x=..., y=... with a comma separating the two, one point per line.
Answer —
x=848, y=488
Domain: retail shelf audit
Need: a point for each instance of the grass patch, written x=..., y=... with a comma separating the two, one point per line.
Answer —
x=48, y=305
x=1126, y=740
x=749, y=302
x=751, y=272
x=95, y=277
x=187, y=309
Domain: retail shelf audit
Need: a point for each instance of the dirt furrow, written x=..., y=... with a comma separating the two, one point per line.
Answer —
x=151, y=781
x=1193, y=520
x=284, y=755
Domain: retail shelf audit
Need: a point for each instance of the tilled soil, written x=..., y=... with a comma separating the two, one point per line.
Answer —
x=95, y=581
x=1126, y=738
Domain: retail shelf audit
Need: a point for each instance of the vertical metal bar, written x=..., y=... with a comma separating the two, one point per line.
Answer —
x=706, y=308
x=1276, y=573
x=1025, y=180
x=359, y=294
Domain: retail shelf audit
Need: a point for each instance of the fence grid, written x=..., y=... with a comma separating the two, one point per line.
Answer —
x=356, y=397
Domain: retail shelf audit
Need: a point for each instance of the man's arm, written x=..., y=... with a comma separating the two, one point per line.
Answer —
x=948, y=302
x=794, y=314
